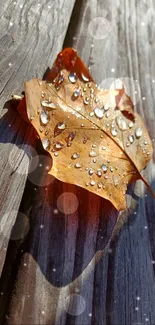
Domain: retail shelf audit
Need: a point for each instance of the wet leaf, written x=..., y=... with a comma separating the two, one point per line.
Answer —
x=94, y=137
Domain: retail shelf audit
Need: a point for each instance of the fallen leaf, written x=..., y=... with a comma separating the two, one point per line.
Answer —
x=94, y=137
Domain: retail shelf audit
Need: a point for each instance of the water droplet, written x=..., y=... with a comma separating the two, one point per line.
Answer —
x=71, y=136
x=107, y=114
x=44, y=117
x=96, y=100
x=111, y=169
x=61, y=78
x=78, y=165
x=99, y=172
x=42, y=94
x=94, y=160
x=99, y=112
x=75, y=155
x=93, y=145
x=127, y=144
x=58, y=145
x=91, y=114
x=121, y=123
x=106, y=106
x=131, y=138
x=92, y=183
x=92, y=154
x=113, y=132
x=61, y=126
x=138, y=133
x=130, y=124
x=86, y=79
x=104, y=168
x=106, y=176
x=86, y=100
x=91, y=171
x=76, y=93
x=103, y=148
x=72, y=77
x=99, y=184
x=145, y=142
x=49, y=104
x=56, y=154
x=46, y=143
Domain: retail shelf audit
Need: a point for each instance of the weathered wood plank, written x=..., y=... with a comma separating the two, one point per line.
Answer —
x=31, y=35
x=58, y=256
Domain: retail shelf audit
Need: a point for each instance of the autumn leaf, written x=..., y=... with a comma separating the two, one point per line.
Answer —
x=94, y=137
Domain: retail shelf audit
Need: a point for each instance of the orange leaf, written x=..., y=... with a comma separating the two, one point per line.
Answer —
x=94, y=137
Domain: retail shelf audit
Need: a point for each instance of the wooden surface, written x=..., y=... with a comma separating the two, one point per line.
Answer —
x=52, y=257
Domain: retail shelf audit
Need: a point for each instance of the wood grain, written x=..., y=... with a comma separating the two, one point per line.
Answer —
x=31, y=35
x=58, y=257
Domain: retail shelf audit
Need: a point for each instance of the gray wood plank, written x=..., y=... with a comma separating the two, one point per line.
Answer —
x=58, y=260
x=31, y=35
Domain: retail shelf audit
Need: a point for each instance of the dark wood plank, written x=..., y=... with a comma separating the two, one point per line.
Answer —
x=59, y=258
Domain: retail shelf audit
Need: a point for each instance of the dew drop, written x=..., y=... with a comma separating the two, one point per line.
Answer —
x=138, y=133
x=130, y=124
x=44, y=117
x=94, y=160
x=131, y=138
x=86, y=101
x=84, y=78
x=59, y=145
x=92, y=183
x=75, y=155
x=104, y=168
x=107, y=114
x=92, y=154
x=61, y=126
x=121, y=123
x=91, y=171
x=78, y=165
x=113, y=132
x=99, y=172
x=99, y=184
x=71, y=136
x=91, y=114
x=46, y=143
x=72, y=77
x=76, y=93
x=145, y=142
x=106, y=176
x=99, y=112
x=106, y=106
x=49, y=104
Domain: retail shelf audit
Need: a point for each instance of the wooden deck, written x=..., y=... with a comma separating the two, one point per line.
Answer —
x=49, y=269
